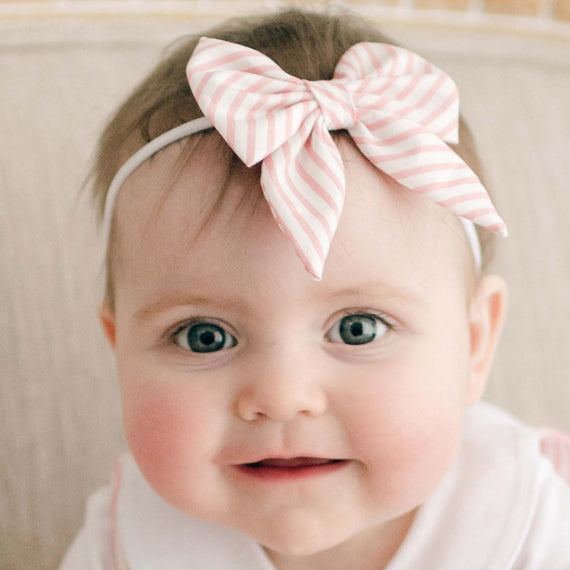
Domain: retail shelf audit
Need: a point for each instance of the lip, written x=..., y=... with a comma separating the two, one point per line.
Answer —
x=290, y=469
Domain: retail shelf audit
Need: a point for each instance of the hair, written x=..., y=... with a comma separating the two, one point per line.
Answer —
x=304, y=44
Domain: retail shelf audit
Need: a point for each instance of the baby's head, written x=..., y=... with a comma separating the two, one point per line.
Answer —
x=307, y=414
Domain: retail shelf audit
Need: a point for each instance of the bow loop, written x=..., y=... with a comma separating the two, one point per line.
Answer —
x=399, y=109
x=392, y=80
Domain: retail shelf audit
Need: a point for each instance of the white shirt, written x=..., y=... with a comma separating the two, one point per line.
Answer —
x=502, y=506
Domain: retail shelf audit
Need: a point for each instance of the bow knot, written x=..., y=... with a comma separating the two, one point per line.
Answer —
x=335, y=102
x=398, y=108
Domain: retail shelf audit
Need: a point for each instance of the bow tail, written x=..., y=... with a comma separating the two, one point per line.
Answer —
x=420, y=161
x=306, y=201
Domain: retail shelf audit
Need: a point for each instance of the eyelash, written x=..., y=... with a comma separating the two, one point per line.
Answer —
x=193, y=321
x=382, y=317
x=339, y=327
x=177, y=329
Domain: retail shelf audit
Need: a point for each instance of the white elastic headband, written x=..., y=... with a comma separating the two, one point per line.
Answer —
x=193, y=127
x=149, y=149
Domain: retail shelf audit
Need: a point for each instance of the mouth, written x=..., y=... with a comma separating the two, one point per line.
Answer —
x=279, y=468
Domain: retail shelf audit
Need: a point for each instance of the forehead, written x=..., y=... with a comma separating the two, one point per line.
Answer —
x=200, y=222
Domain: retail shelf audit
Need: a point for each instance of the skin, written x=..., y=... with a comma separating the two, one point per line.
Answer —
x=391, y=409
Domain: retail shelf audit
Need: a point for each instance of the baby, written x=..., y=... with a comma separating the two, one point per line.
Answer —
x=303, y=324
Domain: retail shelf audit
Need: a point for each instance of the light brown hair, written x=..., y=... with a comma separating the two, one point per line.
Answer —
x=304, y=44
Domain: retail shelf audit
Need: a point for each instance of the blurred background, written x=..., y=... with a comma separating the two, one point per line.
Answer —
x=66, y=64
x=528, y=14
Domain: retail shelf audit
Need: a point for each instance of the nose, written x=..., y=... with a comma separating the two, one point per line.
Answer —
x=280, y=388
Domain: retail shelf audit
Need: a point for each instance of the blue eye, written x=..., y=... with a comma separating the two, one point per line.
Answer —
x=204, y=337
x=357, y=329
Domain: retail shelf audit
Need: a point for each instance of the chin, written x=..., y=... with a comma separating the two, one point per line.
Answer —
x=292, y=537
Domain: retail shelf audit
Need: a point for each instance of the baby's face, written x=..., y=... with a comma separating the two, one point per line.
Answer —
x=300, y=412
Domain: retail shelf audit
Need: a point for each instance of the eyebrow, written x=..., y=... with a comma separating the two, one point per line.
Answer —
x=148, y=312
x=379, y=287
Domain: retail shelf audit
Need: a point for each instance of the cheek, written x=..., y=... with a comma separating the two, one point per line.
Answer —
x=159, y=421
x=408, y=425
x=172, y=430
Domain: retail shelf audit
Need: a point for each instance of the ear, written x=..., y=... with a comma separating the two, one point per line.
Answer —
x=107, y=319
x=487, y=313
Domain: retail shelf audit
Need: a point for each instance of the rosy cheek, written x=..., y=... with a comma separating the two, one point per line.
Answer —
x=407, y=428
x=164, y=424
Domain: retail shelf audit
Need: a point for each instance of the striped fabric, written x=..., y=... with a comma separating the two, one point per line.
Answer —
x=555, y=446
x=118, y=559
x=399, y=109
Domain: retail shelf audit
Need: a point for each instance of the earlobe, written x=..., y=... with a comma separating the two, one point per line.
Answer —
x=487, y=313
x=107, y=319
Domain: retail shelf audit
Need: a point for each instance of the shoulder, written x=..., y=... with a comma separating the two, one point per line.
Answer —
x=501, y=506
x=127, y=525
x=547, y=544
x=539, y=462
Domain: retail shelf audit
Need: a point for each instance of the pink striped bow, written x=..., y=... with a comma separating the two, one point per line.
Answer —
x=398, y=108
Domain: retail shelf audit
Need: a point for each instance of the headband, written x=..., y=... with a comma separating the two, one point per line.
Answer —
x=399, y=110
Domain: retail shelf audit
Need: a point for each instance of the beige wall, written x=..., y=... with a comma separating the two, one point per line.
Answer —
x=533, y=12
